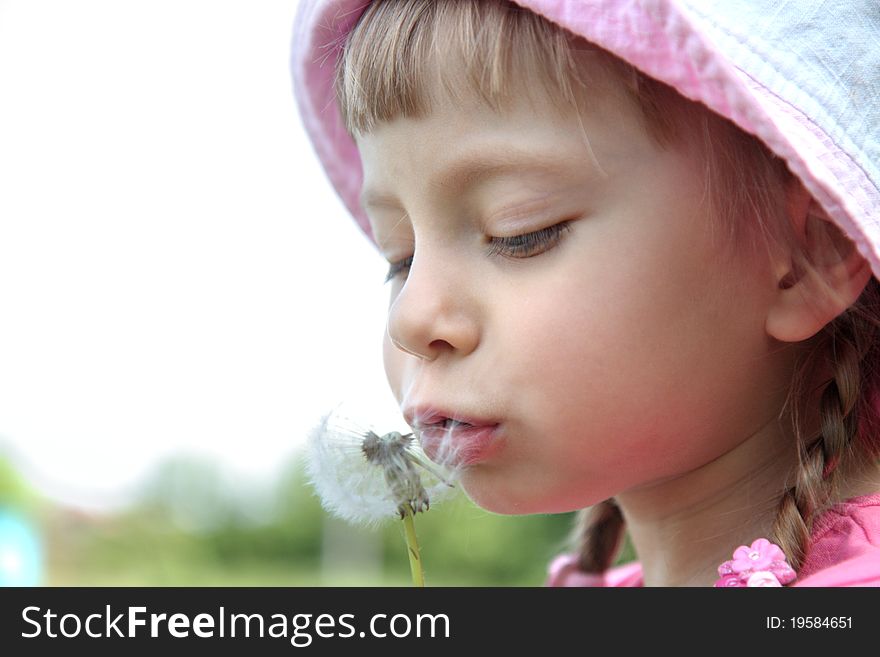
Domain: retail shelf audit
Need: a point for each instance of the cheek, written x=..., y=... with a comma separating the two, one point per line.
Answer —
x=621, y=352
x=574, y=332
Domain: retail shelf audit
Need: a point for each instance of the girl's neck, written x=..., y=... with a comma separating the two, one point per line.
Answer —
x=683, y=528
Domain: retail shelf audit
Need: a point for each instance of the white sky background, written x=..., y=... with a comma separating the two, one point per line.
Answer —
x=176, y=273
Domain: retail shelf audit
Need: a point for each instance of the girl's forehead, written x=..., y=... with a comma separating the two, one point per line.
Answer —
x=451, y=100
x=502, y=162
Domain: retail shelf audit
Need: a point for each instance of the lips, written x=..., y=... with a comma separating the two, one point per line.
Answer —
x=460, y=446
x=422, y=417
x=453, y=438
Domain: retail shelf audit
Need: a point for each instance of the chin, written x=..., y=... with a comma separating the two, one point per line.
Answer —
x=502, y=499
x=513, y=501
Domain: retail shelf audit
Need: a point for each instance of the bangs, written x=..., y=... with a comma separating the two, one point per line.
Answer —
x=402, y=54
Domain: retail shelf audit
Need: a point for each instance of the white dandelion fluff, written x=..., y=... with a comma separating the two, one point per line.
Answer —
x=366, y=476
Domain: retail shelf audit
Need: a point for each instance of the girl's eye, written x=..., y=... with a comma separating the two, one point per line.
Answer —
x=530, y=244
x=518, y=246
x=397, y=267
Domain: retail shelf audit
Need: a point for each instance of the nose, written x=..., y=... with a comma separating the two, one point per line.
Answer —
x=434, y=312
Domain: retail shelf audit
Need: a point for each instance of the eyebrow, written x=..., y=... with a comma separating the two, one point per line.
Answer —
x=473, y=170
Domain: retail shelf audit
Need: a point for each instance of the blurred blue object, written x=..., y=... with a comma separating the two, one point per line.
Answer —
x=21, y=554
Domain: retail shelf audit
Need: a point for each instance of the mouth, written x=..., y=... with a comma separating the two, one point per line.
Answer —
x=449, y=424
x=420, y=418
x=452, y=439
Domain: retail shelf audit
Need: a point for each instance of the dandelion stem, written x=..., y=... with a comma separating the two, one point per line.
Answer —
x=412, y=549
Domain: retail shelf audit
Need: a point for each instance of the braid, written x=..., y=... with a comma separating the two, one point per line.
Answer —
x=598, y=533
x=850, y=343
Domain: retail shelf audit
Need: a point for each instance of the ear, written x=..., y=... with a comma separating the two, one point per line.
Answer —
x=819, y=280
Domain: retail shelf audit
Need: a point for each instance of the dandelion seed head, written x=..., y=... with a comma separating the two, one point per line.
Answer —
x=363, y=475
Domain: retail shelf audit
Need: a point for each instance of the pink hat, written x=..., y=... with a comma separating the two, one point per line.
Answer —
x=804, y=77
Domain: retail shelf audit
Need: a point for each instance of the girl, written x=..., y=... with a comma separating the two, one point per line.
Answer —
x=632, y=252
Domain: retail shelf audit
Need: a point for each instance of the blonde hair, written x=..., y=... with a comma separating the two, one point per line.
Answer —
x=403, y=53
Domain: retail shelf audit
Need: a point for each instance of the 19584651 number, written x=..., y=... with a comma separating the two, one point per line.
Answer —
x=809, y=622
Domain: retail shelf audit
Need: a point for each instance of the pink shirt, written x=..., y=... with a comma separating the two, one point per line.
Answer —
x=844, y=551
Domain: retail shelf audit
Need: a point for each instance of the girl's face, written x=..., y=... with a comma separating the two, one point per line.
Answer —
x=565, y=284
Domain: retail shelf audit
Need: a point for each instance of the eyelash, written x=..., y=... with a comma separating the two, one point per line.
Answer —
x=518, y=246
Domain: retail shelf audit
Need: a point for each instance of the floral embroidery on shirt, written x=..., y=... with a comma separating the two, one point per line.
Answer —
x=760, y=564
